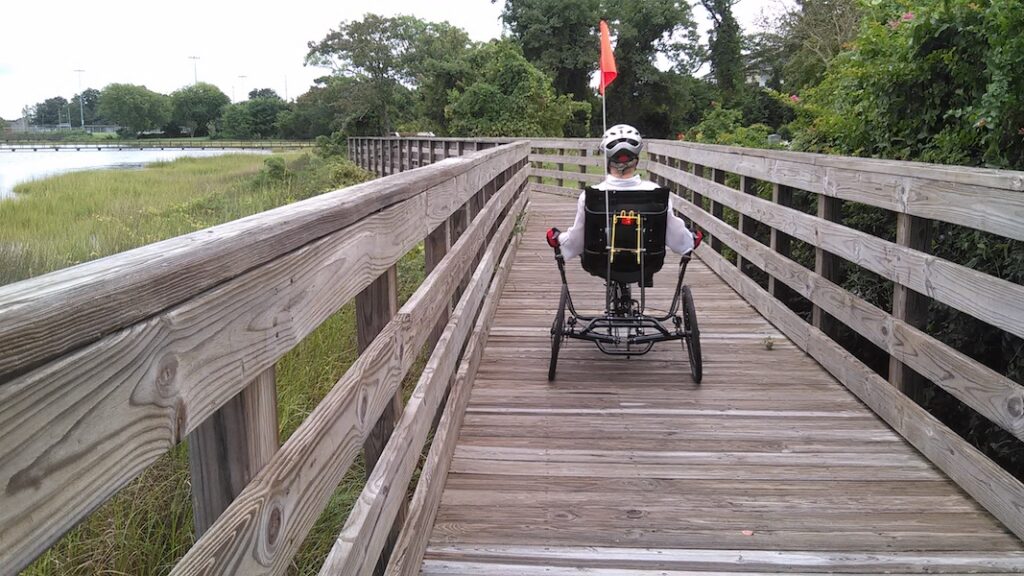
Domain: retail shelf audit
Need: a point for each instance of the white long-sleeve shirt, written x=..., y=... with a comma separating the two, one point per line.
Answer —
x=677, y=237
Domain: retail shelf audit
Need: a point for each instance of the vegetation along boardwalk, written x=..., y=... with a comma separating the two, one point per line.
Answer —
x=627, y=467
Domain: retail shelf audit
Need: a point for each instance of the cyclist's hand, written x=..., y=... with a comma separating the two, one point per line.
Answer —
x=698, y=236
x=552, y=237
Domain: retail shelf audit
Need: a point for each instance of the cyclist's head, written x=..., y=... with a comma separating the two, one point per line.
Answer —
x=621, y=145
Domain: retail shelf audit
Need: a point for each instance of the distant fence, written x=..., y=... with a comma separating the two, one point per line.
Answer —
x=109, y=364
x=146, y=144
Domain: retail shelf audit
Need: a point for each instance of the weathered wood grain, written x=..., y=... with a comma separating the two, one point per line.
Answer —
x=985, y=297
x=989, y=200
x=412, y=541
x=112, y=408
x=262, y=529
x=99, y=297
x=994, y=488
x=995, y=396
x=361, y=540
x=727, y=560
x=229, y=448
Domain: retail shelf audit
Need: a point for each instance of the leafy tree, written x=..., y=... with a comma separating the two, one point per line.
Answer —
x=725, y=48
x=254, y=118
x=559, y=37
x=795, y=49
x=195, y=107
x=507, y=96
x=91, y=98
x=50, y=111
x=263, y=93
x=642, y=95
x=376, y=48
x=237, y=122
x=135, y=108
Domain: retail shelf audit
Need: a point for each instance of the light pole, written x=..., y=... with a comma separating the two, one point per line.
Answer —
x=241, y=81
x=81, y=102
x=195, y=77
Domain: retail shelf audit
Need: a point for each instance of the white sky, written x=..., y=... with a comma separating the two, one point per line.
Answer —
x=138, y=42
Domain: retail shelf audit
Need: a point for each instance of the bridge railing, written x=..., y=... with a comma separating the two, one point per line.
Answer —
x=744, y=200
x=109, y=364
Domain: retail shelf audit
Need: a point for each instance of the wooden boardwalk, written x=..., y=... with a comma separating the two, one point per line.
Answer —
x=626, y=467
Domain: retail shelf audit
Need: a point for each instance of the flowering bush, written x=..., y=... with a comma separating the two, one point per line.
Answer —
x=933, y=80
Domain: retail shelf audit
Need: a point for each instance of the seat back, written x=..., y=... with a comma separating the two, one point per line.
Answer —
x=626, y=229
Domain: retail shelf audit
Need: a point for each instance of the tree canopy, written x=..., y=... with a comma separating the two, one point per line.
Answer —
x=136, y=108
x=196, y=107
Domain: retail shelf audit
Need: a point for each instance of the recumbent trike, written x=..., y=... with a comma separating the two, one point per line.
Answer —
x=624, y=243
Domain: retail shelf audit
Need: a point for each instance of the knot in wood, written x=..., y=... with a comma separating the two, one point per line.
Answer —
x=1015, y=406
x=274, y=526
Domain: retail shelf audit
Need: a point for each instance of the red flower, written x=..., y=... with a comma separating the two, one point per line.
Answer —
x=794, y=98
x=907, y=16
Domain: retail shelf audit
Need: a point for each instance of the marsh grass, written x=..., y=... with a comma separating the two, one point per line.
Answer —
x=66, y=220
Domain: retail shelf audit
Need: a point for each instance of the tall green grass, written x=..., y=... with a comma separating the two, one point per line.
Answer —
x=72, y=218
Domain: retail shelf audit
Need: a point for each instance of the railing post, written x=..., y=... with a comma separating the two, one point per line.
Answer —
x=698, y=199
x=780, y=241
x=747, y=225
x=827, y=265
x=908, y=305
x=230, y=447
x=376, y=305
x=583, y=169
x=716, y=208
x=561, y=168
x=435, y=247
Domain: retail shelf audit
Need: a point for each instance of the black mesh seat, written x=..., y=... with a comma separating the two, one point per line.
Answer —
x=624, y=232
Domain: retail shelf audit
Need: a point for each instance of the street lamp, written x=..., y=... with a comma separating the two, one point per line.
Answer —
x=195, y=77
x=241, y=78
x=81, y=102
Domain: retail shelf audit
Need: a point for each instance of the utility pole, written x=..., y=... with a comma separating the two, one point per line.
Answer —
x=81, y=101
x=195, y=76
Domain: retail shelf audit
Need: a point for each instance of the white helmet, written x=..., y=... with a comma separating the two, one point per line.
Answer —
x=621, y=138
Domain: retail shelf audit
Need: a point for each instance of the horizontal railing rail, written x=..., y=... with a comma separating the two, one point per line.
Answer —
x=109, y=364
x=15, y=145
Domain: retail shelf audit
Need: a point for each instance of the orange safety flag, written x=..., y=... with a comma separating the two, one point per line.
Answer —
x=608, y=70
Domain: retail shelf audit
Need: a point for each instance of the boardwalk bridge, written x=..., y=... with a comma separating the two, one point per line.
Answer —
x=793, y=455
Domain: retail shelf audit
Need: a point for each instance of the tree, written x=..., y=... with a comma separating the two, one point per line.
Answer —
x=643, y=95
x=236, y=122
x=50, y=111
x=263, y=93
x=254, y=118
x=507, y=96
x=725, y=48
x=135, y=108
x=91, y=98
x=195, y=107
x=375, y=48
x=559, y=37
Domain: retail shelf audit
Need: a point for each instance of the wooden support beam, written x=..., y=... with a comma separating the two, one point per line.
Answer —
x=780, y=241
x=375, y=307
x=747, y=225
x=583, y=169
x=435, y=247
x=716, y=208
x=230, y=447
x=827, y=265
x=561, y=168
x=908, y=305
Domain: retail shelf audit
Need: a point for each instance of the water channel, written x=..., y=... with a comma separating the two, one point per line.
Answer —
x=24, y=166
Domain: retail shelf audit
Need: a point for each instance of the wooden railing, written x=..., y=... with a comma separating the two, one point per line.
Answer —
x=987, y=200
x=709, y=180
x=109, y=364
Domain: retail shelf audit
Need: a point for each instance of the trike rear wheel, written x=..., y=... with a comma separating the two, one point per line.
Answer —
x=692, y=340
x=557, y=334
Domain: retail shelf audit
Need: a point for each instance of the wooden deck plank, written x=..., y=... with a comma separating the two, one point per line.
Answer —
x=625, y=466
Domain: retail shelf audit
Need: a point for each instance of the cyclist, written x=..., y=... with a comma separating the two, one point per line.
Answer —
x=621, y=145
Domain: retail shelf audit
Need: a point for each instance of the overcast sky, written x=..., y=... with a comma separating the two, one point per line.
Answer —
x=41, y=44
